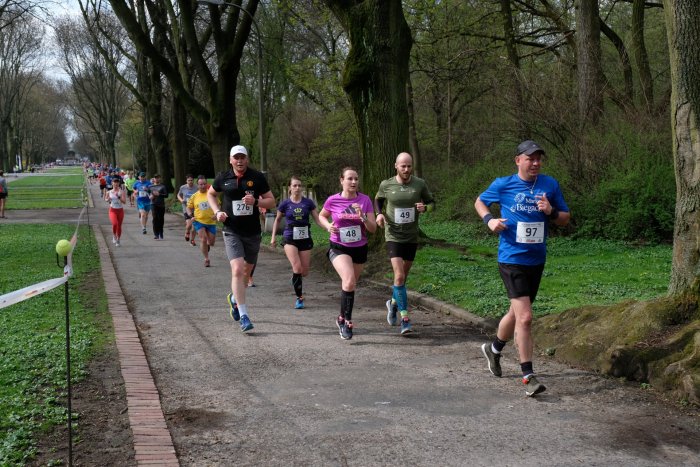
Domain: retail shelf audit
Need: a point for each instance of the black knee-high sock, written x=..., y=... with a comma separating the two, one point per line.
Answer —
x=296, y=282
x=347, y=300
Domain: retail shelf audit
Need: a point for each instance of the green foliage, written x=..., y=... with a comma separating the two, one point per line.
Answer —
x=635, y=197
x=32, y=356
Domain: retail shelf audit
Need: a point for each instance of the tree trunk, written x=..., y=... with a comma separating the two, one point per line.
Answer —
x=374, y=79
x=178, y=141
x=412, y=135
x=683, y=29
x=589, y=68
x=640, y=55
x=518, y=104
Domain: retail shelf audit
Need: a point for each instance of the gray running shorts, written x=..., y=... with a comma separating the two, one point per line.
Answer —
x=242, y=247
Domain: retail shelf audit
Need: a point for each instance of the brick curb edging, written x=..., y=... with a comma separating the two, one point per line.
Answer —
x=153, y=444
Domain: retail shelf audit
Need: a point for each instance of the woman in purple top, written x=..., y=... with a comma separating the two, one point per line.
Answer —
x=348, y=216
x=296, y=238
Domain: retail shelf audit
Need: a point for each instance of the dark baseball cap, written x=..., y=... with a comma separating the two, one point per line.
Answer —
x=528, y=148
x=142, y=174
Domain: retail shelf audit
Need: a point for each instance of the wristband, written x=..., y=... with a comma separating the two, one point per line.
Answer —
x=487, y=218
x=554, y=213
x=255, y=203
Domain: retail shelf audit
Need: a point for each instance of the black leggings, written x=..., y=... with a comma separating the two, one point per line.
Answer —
x=158, y=219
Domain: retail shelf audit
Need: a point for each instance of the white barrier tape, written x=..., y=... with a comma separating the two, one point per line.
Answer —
x=37, y=289
x=32, y=291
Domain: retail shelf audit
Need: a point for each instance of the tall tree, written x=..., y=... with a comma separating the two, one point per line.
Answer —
x=682, y=20
x=374, y=79
x=589, y=68
x=640, y=54
x=216, y=67
x=99, y=98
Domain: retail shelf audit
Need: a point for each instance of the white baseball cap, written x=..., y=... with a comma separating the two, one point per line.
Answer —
x=238, y=150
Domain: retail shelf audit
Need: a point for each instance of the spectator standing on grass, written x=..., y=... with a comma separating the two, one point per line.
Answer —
x=348, y=216
x=158, y=194
x=3, y=194
x=528, y=201
x=399, y=202
x=243, y=191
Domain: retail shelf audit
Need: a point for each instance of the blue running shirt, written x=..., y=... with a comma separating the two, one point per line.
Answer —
x=524, y=242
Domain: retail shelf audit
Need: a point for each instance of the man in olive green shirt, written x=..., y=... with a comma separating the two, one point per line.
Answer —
x=398, y=203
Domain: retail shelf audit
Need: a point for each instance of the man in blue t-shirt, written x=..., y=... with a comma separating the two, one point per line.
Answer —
x=143, y=200
x=528, y=201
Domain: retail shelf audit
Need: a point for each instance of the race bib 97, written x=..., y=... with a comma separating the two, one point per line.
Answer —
x=530, y=232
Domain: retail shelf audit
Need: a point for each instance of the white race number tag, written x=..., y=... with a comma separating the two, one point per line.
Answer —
x=404, y=215
x=116, y=203
x=530, y=232
x=204, y=205
x=241, y=209
x=300, y=233
x=143, y=193
x=350, y=234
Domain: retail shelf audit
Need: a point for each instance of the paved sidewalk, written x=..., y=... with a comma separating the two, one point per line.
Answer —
x=291, y=392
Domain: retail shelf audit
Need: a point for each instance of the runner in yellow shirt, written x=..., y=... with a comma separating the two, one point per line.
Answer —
x=203, y=218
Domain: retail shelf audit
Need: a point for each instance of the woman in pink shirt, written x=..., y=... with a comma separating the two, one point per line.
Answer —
x=348, y=216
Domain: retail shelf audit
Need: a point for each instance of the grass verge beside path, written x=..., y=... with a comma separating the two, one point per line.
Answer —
x=458, y=265
x=32, y=333
x=55, y=188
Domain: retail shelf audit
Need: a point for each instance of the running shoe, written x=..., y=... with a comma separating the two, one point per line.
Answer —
x=233, y=307
x=494, y=359
x=187, y=238
x=340, y=322
x=192, y=242
x=299, y=305
x=117, y=243
x=406, y=327
x=143, y=231
x=391, y=310
x=207, y=263
x=346, y=331
x=532, y=386
x=246, y=325
x=114, y=240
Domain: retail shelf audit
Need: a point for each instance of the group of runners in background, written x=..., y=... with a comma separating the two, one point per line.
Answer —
x=528, y=201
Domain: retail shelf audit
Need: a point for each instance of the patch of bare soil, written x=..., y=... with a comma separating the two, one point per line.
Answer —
x=101, y=433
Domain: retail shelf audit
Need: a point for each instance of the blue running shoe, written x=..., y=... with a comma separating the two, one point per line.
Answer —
x=299, y=305
x=391, y=310
x=233, y=307
x=340, y=322
x=406, y=326
x=246, y=325
x=346, y=331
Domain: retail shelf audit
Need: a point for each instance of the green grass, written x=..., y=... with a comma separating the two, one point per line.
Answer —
x=32, y=333
x=55, y=188
x=458, y=264
x=578, y=272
